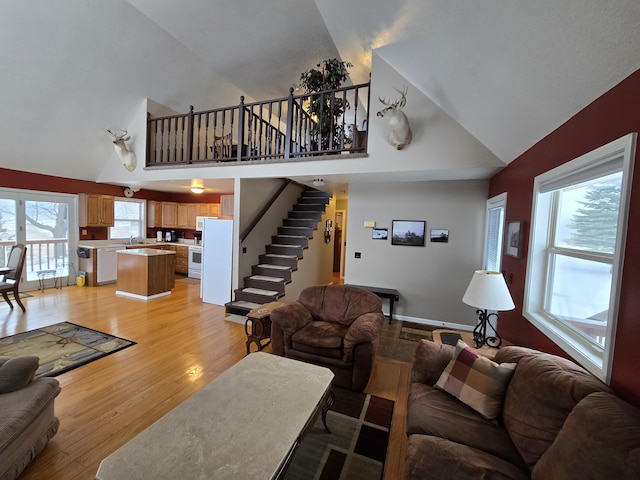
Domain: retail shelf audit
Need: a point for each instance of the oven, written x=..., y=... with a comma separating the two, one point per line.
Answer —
x=195, y=261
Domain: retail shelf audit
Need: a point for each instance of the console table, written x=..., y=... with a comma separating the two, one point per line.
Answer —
x=245, y=424
x=389, y=293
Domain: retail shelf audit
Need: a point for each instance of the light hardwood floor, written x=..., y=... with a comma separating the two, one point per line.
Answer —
x=182, y=344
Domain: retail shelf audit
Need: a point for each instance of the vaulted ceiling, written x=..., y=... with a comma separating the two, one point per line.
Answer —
x=508, y=71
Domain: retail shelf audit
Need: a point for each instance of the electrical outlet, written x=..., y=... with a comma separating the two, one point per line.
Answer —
x=358, y=254
x=84, y=231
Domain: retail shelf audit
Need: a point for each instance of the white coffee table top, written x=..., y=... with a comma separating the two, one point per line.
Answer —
x=240, y=426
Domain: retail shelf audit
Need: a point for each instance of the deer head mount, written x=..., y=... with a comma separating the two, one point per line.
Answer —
x=127, y=157
x=399, y=134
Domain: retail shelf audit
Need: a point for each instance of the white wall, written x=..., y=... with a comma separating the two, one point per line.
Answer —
x=431, y=279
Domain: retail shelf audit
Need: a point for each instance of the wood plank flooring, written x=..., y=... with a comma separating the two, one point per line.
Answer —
x=183, y=344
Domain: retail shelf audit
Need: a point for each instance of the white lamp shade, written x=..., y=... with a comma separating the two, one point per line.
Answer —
x=488, y=290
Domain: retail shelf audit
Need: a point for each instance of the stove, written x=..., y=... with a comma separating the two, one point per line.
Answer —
x=195, y=261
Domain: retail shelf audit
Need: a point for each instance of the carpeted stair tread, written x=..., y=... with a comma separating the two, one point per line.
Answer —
x=259, y=291
x=280, y=255
x=268, y=265
x=265, y=278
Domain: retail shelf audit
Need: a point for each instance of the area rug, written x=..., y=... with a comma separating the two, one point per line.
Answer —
x=62, y=347
x=416, y=331
x=355, y=449
x=190, y=281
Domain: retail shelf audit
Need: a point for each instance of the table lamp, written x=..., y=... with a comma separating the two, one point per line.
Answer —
x=487, y=291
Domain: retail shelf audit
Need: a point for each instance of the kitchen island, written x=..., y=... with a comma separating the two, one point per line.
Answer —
x=145, y=273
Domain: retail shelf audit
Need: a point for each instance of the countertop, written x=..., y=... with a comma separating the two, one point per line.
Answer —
x=95, y=244
x=146, y=252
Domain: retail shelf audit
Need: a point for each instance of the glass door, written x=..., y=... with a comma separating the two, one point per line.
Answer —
x=46, y=224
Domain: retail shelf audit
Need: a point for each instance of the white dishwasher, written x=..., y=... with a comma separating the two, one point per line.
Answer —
x=107, y=265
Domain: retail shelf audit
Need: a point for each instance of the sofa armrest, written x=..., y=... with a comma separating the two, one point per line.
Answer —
x=429, y=361
x=290, y=318
x=365, y=328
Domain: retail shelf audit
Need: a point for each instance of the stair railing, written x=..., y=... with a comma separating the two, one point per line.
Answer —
x=282, y=128
x=245, y=233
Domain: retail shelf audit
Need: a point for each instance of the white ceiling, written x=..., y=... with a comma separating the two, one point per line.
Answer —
x=508, y=71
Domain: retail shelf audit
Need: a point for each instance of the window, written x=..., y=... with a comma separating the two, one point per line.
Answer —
x=578, y=230
x=129, y=219
x=494, y=232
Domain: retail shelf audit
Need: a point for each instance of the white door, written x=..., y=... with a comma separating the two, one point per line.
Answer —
x=46, y=224
x=217, y=260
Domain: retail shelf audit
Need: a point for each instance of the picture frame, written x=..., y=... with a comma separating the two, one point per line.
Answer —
x=408, y=232
x=379, y=233
x=439, y=235
x=513, y=239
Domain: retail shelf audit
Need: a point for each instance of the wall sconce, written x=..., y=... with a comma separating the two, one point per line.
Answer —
x=487, y=291
x=197, y=186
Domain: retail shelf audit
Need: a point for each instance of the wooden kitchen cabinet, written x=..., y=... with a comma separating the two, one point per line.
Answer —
x=154, y=214
x=95, y=210
x=214, y=210
x=169, y=214
x=226, y=206
x=187, y=215
x=182, y=259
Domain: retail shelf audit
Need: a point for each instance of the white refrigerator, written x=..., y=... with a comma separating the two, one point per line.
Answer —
x=217, y=259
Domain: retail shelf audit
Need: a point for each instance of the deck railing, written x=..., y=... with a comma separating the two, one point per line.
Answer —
x=282, y=128
x=45, y=254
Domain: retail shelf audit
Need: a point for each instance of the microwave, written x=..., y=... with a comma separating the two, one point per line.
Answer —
x=200, y=222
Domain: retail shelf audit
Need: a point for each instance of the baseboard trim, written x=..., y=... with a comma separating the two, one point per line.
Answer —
x=435, y=323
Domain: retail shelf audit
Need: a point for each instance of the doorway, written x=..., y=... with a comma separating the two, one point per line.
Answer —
x=46, y=224
x=338, y=243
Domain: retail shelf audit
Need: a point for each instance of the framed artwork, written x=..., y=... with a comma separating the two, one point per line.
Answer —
x=439, y=235
x=408, y=232
x=513, y=240
x=379, y=233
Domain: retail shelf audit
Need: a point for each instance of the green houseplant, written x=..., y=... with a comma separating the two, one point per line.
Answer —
x=326, y=109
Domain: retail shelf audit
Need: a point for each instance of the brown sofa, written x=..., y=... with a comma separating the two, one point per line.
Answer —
x=336, y=326
x=556, y=422
x=27, y=420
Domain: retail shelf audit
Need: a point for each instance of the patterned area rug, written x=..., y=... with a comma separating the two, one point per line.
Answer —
x=357, y=447
x=62, y=347
x=416, y=331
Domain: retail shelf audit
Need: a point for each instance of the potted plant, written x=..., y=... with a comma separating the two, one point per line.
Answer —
x=326, y=109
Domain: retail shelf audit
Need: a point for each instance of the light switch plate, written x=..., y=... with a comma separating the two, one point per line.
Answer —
x=369, y=223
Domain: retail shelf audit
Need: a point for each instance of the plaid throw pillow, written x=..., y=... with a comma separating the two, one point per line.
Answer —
x=476, y=381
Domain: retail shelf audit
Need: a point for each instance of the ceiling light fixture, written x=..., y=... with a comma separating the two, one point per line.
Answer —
x=318, y=182
x=197, y=186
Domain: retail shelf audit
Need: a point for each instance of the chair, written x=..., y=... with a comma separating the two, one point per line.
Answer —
x=11, y=279
x=335, y=326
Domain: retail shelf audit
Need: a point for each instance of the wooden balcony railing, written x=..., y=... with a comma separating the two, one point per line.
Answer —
x=282, y=128
x=46, y=254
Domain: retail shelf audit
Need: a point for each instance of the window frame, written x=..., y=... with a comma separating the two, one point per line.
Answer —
x=595, y=164
x=143, y=217
x=496, y=202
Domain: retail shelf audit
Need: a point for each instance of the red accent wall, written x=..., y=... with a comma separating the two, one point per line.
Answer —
x=613, y=115
x=48, y=183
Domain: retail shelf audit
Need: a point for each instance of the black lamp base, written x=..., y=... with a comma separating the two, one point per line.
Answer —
x=480, y=332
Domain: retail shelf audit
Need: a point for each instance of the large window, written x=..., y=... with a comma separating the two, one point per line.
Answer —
x=578, y=229
x=129, y=219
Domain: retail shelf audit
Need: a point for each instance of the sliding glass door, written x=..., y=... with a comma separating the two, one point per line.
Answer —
x=46, y=224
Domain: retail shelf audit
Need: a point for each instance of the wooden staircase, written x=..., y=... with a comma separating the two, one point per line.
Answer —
x=269, y=277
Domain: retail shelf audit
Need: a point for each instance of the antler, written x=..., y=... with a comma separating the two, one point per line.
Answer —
x=117, y=137
x=383, y=101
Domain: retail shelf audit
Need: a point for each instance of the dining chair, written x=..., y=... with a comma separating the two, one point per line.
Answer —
x=11, y=280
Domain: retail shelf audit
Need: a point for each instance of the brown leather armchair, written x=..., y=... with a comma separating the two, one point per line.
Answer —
x=336, y=326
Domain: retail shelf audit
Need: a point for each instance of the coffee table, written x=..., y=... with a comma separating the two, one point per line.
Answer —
x=245, y=424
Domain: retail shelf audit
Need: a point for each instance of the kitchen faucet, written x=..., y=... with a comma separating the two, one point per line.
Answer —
x=131, y=239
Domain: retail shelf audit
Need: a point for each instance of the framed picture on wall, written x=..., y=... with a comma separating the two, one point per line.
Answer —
x=439, y=235
x=379, y=233
x=513, y=240
x=408, y=232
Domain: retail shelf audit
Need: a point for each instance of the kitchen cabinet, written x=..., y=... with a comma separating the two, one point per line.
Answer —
x=182, y=259
x=169, y=214
x=226, y=206
x=95, y=210
x=145, y=273
x=187, y=215
x=154, y=214
x=214, y=210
